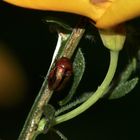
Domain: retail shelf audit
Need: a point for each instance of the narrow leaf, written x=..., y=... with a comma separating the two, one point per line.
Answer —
x=74, y=103
x=58, y=24
x=60, y=134
x=78, y=67
x=123, y=88
x=131, y=67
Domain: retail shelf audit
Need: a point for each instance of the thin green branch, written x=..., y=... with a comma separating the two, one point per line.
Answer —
x=97, y=95
x=74, y=39
x=29, y=130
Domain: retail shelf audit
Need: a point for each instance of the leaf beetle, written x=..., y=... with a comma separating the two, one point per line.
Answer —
x=60, y=74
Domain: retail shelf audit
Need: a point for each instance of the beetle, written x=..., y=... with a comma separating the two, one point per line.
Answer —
x=60, y=74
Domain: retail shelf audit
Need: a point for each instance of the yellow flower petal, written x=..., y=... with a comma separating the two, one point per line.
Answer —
x=118, y=12
x=82, y=7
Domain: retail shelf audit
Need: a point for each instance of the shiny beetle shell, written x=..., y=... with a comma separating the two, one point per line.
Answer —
x=60, y=74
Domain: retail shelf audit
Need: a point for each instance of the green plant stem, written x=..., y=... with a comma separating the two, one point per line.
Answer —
x=96, y=96
x=74, y=39
x=29, y=130
x=31, y=124
x=72, y=43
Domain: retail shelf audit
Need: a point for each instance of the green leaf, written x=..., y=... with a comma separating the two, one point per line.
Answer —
x=74, y=103
x=123, y=88
x=58, y=24
x=62, y=137
x=78, y=68
x=128, y=71
x=46, y=122
x=63, y=37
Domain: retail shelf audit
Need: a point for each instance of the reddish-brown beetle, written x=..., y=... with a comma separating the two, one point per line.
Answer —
x=60, y=74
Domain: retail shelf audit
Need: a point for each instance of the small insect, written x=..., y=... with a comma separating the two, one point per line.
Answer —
x=60, y=74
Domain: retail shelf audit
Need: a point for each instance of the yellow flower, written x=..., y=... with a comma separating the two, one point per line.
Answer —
x=87, y=8
x=105, y=13
x=119, y=11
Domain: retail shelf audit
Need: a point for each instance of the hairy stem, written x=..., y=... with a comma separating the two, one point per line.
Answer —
x=29, y=130
x=97, y=95
x=31, y=124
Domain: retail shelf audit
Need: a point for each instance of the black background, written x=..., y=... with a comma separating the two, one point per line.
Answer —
x=29, y=37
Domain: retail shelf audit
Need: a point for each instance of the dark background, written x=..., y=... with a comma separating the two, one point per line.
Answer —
x=29, y=38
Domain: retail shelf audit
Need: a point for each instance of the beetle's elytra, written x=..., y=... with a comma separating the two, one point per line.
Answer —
x=60, y=74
